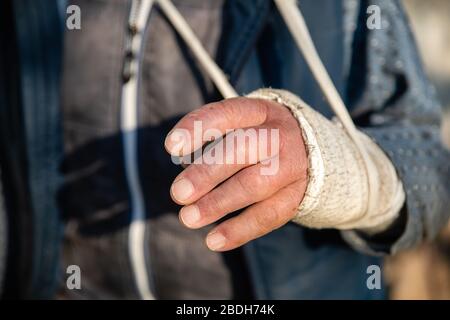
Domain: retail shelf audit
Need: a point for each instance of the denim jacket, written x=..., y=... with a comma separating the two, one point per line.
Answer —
x=377, y=72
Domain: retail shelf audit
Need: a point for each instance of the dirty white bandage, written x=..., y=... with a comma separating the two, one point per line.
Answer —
x=337, y=192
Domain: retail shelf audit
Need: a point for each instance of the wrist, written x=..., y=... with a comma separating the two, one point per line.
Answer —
x=337, y=192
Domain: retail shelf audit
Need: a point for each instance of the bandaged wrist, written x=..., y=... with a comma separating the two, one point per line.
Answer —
x=337, y=193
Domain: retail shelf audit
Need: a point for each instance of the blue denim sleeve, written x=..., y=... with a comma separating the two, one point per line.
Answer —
x=398, y=108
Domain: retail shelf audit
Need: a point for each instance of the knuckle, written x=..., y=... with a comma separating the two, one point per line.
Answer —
x=261, y=105
x=201, y=176
x=228, y=230
x=193, y=116
x=211, y=205
x=231, y=110
x=283, y=139
x=204, y=174
x=220, y=109
x=235, y=234
x=293, y=196
x=251, y=185
x=293, y=200
x=267, y=219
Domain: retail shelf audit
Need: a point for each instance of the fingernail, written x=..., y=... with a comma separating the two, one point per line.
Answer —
x=175, y=142
x=190, y=215
x=215, y=241
x=182, y=189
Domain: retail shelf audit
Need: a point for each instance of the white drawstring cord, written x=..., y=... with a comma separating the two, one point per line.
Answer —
x=129, y=123
x=182, y=27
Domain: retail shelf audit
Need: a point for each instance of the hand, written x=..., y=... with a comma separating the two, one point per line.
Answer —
x=210, y=191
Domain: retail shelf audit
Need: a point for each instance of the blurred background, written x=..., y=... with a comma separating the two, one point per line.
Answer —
x=424, y=273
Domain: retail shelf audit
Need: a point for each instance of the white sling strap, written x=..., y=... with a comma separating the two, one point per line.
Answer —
x=296, y=24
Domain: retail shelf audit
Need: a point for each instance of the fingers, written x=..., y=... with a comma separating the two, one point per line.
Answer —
x=243, y=189
x=214, y=120
x=211, y=190
x=257, y=220
x=237, y=150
